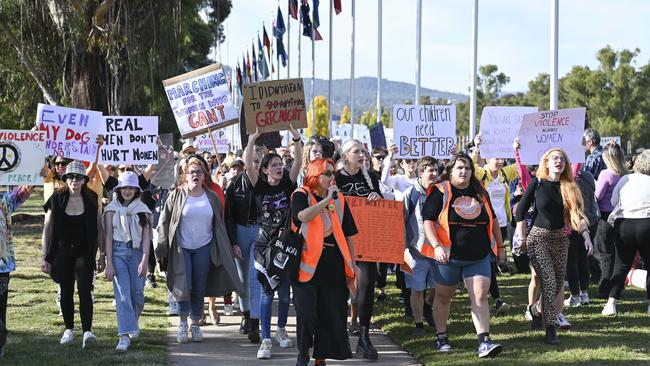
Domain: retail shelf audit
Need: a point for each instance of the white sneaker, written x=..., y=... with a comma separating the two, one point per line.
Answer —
x=573, y=301
x=135, y=335
x=527, y=315
x=228, y=310
x=173, y=308
x=89, y=340
x=584, y=298
x=181, y=337
x=195, y=330
x=68, y=337
x=283, y=338
x=609, y=309
x=123, y=344
x=562, y=323
x=265, y=349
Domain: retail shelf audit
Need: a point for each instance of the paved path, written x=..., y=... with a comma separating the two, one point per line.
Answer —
x=223, y=345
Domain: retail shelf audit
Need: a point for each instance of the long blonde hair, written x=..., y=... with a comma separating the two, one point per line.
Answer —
x=614, y=159
x=345, y=149
x=571, y=196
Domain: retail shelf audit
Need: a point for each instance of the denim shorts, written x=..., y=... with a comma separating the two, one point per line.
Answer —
x=452, y=272
x=422, y=276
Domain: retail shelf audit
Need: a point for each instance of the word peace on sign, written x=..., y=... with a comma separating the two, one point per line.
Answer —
x=9, y=157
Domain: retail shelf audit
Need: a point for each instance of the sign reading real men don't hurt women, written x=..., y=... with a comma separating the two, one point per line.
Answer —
x=201, y=100
x=130, y=140
x=424, y=130
x=273, y=105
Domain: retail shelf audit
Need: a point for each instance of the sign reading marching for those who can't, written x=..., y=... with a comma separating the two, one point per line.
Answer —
x=499, y=127
x=130, y=140
x=201, y=100
x=424, y=130
x=22, y=154
x=545, y=130
x=273, y=105
x=70, y=132
x=204, y=142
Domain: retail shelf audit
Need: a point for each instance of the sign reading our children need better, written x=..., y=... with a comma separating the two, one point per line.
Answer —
x=273, y=105
x=201, y=100
x=130, y=140
x=424, y=130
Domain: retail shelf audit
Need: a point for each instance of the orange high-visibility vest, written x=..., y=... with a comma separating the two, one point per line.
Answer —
x=442, y=224
x=313, y=236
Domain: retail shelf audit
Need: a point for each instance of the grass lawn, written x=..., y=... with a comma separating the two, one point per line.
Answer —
x=593, y=340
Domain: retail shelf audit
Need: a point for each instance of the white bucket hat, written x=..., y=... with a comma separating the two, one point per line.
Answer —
x=127, y=179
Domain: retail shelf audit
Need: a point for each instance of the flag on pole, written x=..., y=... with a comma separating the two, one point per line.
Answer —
x=244, y=73
x=293, y=9
x=254, y=59
x=248, y=67
x=239, y=77
x=267, y=41
x=337, y=7
x=306, y=22
x=278, y=32
x=316, y=16
x=264, y=69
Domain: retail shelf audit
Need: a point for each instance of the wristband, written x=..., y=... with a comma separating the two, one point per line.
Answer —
x=294, y=139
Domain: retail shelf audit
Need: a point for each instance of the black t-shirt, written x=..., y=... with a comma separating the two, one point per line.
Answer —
x=356, y=185
x=468, y=222
x=330, y=270
x=273, y=203
x=549, y=206
x=145, y=186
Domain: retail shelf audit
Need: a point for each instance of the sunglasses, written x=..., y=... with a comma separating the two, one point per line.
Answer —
x=125, y=169
x=76, y=177
x=60, y=163
x=379, y=157
x=328, y=174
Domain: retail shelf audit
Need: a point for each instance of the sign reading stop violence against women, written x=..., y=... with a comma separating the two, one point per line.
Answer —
x=273, y=105
x=70, y=132
x=499, y=127
x=545, y=130
x=130, y=140
x=201, y=100
x=204, y=142
x=424, y=130
x=22, y=155
x=381, y=229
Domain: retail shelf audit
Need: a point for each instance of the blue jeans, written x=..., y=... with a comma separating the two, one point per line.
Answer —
x=266, y=308
x=250, y=300
x=197, y=267
x=128, y=287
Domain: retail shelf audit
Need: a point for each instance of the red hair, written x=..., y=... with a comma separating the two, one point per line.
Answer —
x=314, y=171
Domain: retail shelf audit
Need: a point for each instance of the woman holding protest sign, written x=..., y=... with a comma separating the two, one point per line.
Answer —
x=460, y=224
x=353, y=180
x=272, y=190
x=72, y=233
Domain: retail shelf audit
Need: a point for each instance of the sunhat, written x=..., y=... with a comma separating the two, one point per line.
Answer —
x=75, y=168
x=127, y=179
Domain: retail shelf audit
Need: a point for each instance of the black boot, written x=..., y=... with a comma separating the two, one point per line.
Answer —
x=254, y=330
x=365, y=346
x=551, y=336
x=303, y=359
x=243, y=328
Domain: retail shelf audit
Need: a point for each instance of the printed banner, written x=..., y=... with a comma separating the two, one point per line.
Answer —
x=499, y=127
x=273, y=105
x=201, y=100
x=424, y=130
x=130, y=140
x=381, y=229
x=163, y=173
x=204, y=142
x=70, y=132
x=561, y=128
x=22, y=156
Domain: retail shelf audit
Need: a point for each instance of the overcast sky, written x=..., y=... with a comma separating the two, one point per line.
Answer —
x=513, y=34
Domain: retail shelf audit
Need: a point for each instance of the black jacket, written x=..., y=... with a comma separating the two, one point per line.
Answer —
x=239, y=199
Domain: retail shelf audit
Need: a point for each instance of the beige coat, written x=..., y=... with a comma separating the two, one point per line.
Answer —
x=223, y=277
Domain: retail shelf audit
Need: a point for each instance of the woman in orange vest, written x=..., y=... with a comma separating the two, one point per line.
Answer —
x=460, y=224
x=326, y=270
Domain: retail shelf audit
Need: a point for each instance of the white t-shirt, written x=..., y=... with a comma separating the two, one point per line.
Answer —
x=632, y=194
x=196, y=223
x=497, y=191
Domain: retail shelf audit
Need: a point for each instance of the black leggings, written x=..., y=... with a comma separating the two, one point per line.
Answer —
x=80, y=269
x=630, y=236
x=605, y=251
x=382, y=274
x=151, y=266
x=366, y=291
x=577, y=264
x=494, y=285
x=4, y=293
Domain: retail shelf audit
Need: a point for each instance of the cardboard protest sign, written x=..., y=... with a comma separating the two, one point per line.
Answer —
x=22, y=156
x=129, y=140
x=377, y=136
x=605, y=140
x=499, y=127
x=70, y=132
x=381, y=229
x=163, y=172
x=561, y=128
x=273, y=105
x=204, y=142
x=201, y=99
x=424, y=130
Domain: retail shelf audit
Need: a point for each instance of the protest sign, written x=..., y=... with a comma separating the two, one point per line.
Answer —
x=499, y=127
x=381, y=229
x=204, y=142
x=130, y=140
x=163, y=172
x=273, y=105
x=424, y=130
x=377, y=136
x=605, y=140
x=70, y=132
x=201, y=100
x=22, y=156
x=561, y=128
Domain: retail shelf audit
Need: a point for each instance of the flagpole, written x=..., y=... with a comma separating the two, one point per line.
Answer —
x=472, y=96
x=329, y=81
x=313, y=68
x=352, y=74
x=418, y=51
x=299, y=54
x=288, y=41
x=554, y=52
x=379, y=37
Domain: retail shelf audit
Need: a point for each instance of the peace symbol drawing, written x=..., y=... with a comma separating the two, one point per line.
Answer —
x=9, y=157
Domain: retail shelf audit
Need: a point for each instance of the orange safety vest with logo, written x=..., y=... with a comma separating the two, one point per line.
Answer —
x=313, y=236
x=442, y=224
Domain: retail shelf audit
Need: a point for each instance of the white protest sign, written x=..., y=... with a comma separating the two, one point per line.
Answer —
x=70, y=132
x=424, y=130
x=130, y=140
x=545, y=130
x=22, y=155
x=201, y=100
x=605, y=140
x=204, y=142
x=499, y=127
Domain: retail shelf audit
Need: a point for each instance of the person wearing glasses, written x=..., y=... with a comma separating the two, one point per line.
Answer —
x=54, y=178
x=72, y=234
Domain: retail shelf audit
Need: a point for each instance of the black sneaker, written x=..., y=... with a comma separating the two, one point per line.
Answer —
x=150, y=282
x=442, y=345
x=381, y=297
x=537, y=323
x=418, y=332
